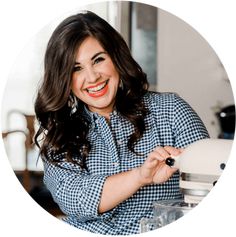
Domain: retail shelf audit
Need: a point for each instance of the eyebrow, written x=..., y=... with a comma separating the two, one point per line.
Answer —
x=94, y=56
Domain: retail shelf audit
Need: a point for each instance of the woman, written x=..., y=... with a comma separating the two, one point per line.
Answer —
x=103, y=137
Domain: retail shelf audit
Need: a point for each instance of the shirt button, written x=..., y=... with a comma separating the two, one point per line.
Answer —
x=116, y=164
x=113, y=220
x=119, y=142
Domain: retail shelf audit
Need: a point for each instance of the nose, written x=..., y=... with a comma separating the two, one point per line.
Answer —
x=91, y=75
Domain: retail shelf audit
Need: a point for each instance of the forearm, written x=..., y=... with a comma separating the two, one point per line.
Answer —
x=118, y=188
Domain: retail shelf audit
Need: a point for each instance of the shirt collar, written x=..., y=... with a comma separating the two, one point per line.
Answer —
x=92, y=116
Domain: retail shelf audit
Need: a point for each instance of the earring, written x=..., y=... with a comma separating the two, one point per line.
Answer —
x=121, y=85
x=72, y=103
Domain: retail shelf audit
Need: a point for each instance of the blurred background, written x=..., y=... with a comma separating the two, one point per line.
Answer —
x=174, y=56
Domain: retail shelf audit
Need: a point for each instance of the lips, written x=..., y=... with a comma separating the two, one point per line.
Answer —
x=98, y=90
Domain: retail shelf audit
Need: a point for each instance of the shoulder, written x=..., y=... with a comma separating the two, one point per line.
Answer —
x=154, y=100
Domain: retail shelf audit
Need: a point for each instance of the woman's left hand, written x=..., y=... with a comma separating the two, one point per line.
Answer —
x=163, y=172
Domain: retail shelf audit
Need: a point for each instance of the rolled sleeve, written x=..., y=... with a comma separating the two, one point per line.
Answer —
x=76, y=192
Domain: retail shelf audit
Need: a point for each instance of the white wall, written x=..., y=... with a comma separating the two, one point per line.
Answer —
x=189, y=66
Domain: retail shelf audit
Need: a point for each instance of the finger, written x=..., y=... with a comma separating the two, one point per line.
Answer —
x=151, y=164
x=157, y=156
x=181, y=149
x=162, y=152
x=153, y=157
x=172, y=150
x=163, y=176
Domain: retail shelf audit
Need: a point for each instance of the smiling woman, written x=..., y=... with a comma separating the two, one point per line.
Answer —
x=95, y=76
x=103, y=137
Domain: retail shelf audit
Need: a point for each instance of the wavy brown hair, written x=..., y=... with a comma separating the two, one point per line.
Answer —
x=59, y=131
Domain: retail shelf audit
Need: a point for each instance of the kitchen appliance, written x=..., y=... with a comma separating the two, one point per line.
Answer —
x=226, y=118
x=200, y=166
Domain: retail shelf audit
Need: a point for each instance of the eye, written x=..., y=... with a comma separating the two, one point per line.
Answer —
x=77, y=68
x=98, y=60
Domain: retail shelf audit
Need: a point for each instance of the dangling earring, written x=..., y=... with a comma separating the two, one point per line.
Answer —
x=72, y=103
x=121, y=84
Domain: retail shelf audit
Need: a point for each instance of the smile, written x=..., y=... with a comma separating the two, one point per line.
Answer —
x=98, y=90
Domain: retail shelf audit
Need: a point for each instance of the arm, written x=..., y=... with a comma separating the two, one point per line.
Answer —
x=75, y=191
x=86, y=196
x=119, y=187
x=81, y=194
x=187, y=127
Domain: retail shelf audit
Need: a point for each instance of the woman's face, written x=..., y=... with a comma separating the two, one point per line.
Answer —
x=95, y=79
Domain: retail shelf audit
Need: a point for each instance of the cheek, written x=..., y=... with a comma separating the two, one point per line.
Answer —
x=111, y=70
x=116, y=76
x=76, y=85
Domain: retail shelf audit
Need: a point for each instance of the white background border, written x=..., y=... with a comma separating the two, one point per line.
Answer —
x=20, y=21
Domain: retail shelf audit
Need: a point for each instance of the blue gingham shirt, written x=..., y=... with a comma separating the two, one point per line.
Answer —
x=171, y=122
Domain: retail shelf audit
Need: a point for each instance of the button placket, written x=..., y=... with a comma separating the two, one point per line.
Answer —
x=106, y=132
x=116, y=128
x=119, y=142
x=115, y=164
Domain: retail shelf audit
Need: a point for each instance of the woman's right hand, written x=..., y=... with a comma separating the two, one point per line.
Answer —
x=154, y=169
x=147, y=170
x=121, y=186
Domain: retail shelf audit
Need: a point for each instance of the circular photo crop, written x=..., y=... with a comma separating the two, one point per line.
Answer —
x=118, y=118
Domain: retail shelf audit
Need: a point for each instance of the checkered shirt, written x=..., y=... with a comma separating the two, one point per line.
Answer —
x=171, y=122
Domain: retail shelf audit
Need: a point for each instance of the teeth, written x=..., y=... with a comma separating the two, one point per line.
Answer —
x=97, y=88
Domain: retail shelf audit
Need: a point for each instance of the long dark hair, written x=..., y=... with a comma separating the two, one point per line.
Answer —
x=59, y=131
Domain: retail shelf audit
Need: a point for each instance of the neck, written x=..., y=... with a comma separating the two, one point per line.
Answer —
x=102, y=112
